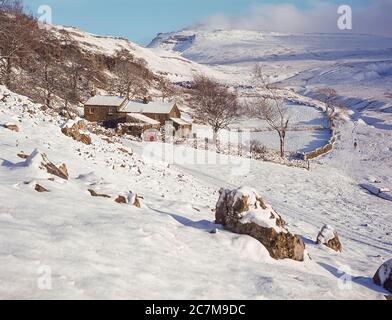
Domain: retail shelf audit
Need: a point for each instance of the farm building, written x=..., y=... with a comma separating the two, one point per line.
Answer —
x=135, y=115
x=103, y=108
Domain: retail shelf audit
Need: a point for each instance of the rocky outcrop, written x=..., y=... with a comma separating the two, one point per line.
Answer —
x=77, y=131
x=12, y=127
x=41, y=161
x=329, y=237
x=243, y=211
x=383, y=276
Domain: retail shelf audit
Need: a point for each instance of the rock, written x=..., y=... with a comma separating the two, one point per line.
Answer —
x=41, y=161
x=12, y=127
x=214, y=231
x=63, y=170
x=136, y=202
x=40, y=188
x=75, y=131
x=329, y=237
x=94, y=194
x=22, y=155
x=243, y=211
x=383, y=276
x=121, y=199
x=123, y=150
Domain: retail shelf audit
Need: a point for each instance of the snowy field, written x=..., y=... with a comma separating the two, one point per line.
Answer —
x=95, y=248
x=307, y=130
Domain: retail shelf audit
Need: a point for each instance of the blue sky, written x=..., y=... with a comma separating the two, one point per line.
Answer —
x=141, y=20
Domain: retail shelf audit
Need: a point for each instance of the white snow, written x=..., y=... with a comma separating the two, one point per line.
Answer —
x=327, y=233
x=257, y=214
x=105, y=101
x=151, y=107
x=143, y=118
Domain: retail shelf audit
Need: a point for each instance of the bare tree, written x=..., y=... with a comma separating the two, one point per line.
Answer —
x=166, y=88
x=48, y=74
x=132, y=76
x=76, y=69
x=18, y=39
x=329, y=97
x=11, y=6
x=270, y=107
x=213, y=103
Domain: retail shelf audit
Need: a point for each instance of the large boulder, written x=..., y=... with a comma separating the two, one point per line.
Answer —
x=243, y=211
x=383, y=276
x=77, y=130
x=329, y=237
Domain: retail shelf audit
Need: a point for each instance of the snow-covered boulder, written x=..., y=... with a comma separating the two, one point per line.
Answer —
x=243, y=211
x=329, y=237
x=40, y=161
x=77, y=130
x=383, y=276
x=130, y=198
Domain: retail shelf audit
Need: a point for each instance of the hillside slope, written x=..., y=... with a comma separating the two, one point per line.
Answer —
x=172, y=65
x=95, y=248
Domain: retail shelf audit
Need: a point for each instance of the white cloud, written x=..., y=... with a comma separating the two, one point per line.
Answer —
x=321, y=16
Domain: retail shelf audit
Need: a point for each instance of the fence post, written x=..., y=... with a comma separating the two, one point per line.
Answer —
x=195, y=140
x=240, y=143
x=206, y=143
x=217, y=146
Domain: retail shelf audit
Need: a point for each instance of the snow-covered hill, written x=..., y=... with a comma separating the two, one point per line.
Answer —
x=358, y=66
x=67, y=244
x=228, y=47
x=172, y=65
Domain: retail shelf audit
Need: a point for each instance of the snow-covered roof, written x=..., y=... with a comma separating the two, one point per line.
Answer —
x=152, y=107
x=180, y=121
x=105, y=101
x=143, y=118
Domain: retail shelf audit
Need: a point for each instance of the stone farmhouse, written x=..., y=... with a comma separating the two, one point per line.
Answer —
x=135, y=116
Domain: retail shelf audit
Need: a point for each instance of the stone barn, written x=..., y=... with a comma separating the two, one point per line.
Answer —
x=103, y=108
x=119, y=110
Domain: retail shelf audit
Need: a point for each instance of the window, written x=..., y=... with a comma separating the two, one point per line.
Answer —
x=111, y=111
x=92, y=110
